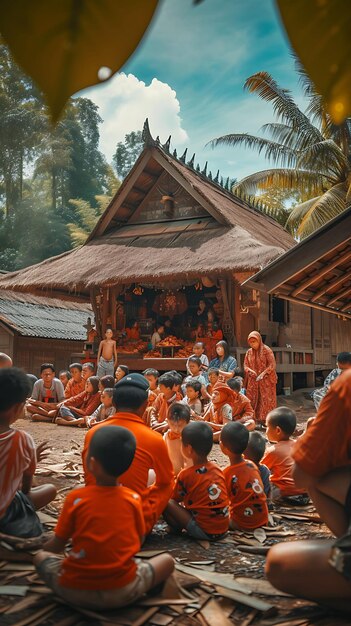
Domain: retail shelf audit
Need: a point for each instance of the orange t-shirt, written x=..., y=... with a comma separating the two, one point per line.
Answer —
x=160, y=407
x=203, y=492
x=151, y=453
x=242, y=407
x=279, y=460
x=248, y=502
x=73, y=388
x=326, y=445
x=17, y=457
x=106, y=526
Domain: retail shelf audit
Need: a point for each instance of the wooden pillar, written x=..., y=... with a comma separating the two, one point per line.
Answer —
x=105, y=308
x=94, y=296
x=237, y=315
x=227, y=323
x=115, y=290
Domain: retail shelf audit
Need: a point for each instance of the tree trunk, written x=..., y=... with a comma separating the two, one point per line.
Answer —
x=53, y=191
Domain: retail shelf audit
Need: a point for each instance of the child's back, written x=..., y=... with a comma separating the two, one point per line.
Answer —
x=279, y=460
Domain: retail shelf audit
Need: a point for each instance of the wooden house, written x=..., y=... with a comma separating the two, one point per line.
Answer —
x=36, y=330
x=175, y=233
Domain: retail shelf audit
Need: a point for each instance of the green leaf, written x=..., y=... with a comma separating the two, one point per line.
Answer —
x=65, y=45
x=320, y=35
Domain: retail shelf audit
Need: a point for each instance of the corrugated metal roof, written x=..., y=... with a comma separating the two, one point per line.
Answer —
x=48, y=322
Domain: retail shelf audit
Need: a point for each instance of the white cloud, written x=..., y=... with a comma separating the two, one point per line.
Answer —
x=124, y=103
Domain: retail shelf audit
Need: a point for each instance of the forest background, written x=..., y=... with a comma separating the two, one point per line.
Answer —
x=54, y=181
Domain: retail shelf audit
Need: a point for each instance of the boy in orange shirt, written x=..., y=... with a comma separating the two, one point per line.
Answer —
x=281, y=424
x=248, y=502
x=100, y=571
x=167, y=396
x=201, y=489
x=242, y=410
x=76, y=384
x=178, y=418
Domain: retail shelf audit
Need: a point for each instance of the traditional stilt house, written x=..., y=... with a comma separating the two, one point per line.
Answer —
x=174, y=235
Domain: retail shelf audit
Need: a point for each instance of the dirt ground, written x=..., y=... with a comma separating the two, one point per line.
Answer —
x=63, y=468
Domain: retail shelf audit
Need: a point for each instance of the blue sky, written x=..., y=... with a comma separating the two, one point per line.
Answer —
x=187, y=76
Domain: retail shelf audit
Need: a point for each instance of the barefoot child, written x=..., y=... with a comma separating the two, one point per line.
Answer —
x=248, y=502
x=100, y=571
x=18, y=499
x=200, y=489
x=104, y=410
x=281, y=424
x=107, y=355
x=74, y=410
x=178, y=418
x=47, y=393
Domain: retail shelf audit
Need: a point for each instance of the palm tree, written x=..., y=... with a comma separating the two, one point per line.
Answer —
x=311, y=154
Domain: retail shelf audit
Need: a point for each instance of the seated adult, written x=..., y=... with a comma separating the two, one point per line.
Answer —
x=130, y=396
x=47, y=392
x=343, y=362
x=224, y=362
x=321, y=570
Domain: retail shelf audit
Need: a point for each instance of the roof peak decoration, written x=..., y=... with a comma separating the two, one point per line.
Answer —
x=218, y=180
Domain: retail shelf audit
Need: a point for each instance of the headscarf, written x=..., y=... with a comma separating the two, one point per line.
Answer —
x=226, y=396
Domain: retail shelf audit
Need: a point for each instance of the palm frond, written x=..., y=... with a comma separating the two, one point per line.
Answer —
x=298, y=212
x=324, y=156
x=329, y=205
x=279, y=214
x=273, y=151
x=309, y=182
x=284, y=106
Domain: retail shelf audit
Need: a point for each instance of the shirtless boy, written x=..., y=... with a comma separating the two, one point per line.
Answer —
x=107, y=355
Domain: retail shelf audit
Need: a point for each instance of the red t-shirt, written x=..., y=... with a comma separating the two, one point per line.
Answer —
x=279, y=460
x=248, y=502
x=326, y=445
x=151, y=453
x=106, y=526
x=202, y=490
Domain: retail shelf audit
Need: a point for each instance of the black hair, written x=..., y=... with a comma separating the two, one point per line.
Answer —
x=194, y=384
x=225, y=348
x=94, y=380
x=67, y=372
x=195, y=359
x=47, y=366
x=88, y=364
x=150, y=371
x=15, y=387
x=128, y=397
x=200, y=436
x=108, y=391
x=168, y=380
x=78, y=366
x=235, y=437
x=256, y=447
x=213, y=370
x=283, y=417
x=114, y=448
x=107, y=381
x=178, y=378
x=239, y=372
x=179, y=411
x=32, y=379
x=234, y=384
x=199, y=343
x=124, y=369
x=344, y=357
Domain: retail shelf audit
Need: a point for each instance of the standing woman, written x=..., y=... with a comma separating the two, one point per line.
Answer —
x=260, y=371
x=223, y=362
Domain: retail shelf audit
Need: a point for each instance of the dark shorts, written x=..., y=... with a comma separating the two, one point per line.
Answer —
x=340, y=557
x=20, y=519
x=196, y=532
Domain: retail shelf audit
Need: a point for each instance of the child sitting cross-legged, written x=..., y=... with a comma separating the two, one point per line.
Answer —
x=161, y=405
x=100, y=571
x=254, y=452
x=74, y=410
x=104, y=410
x=281, y=424
x=18, y=499
x=248, y=502
x=192, y=398
x=178, y=418
x=76, y=383
x=200, y=489
x=242, y=410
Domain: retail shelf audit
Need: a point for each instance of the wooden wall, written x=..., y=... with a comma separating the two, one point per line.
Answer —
x=30, y=352
x=6, y=340
x=297, y=332
x=340, y=335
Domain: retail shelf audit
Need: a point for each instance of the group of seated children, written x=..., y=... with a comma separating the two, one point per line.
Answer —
x=201, y=499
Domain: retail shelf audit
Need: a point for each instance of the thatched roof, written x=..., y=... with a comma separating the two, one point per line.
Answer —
x=225, y=236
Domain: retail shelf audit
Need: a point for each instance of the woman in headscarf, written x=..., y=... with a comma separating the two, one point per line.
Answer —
x=261, y=377
x=223, y=362
x=219, y=411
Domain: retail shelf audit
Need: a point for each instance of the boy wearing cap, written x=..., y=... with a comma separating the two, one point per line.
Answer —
x=130, y=396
